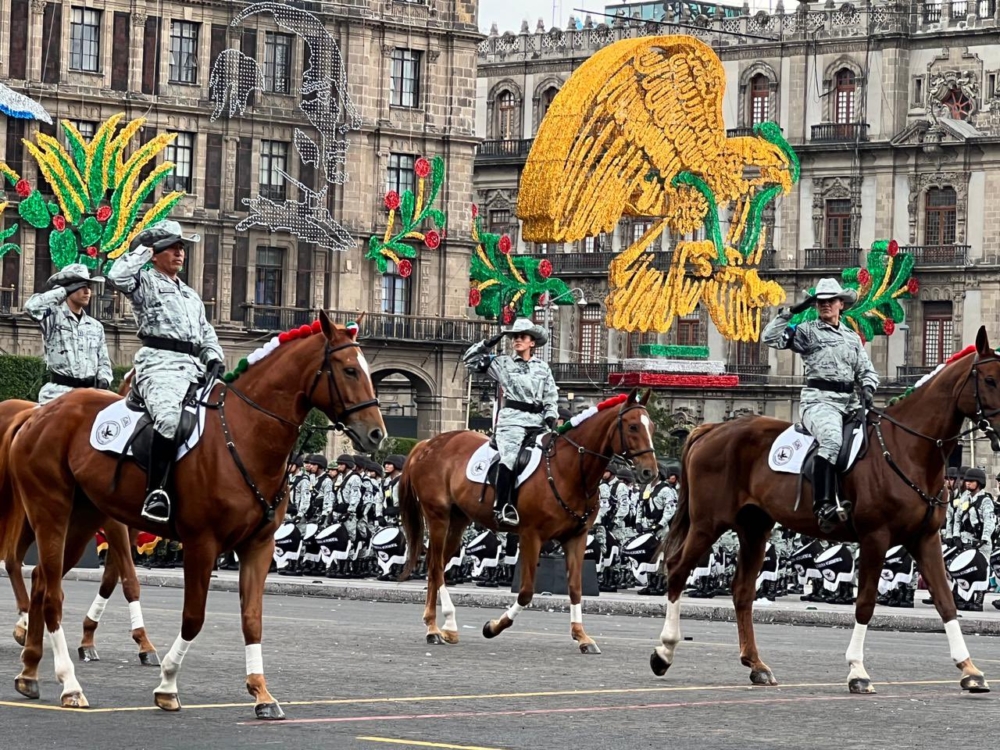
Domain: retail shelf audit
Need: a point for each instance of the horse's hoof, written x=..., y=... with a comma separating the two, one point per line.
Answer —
x=75, y=700
x=27, y=687
x=450, y=636
x=435, y=639
x=974, y=683
x=488, y=631
x=269, y=711
x=861, y=686
x=20, y=635
x=658, y=664
x=149, y=659
x=589, y=648
x=763, y=677
x=167, y=701
x=88, y=653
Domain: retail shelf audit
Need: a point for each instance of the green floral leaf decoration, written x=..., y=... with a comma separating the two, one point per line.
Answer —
x=90, y=262
x=63, y=247
x=34, y=211
x=90, y=231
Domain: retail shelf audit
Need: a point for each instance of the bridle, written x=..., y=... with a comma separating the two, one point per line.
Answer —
x=625, y=453
x=981, y=423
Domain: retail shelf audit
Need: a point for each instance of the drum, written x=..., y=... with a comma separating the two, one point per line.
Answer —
x=769, y=570
x=970, y=573
x=389, y=546
x=641, y=552
x=836, y=566
x=286, y=544
x=333, y=543
x=897, y=570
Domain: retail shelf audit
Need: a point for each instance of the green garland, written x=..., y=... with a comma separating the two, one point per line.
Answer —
x=672, y=351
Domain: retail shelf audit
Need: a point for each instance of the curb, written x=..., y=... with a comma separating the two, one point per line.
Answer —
x=652, y=608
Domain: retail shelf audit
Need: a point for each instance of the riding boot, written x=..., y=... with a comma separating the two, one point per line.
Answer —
x=824, y=503
x=504, y=506
x=161, y=457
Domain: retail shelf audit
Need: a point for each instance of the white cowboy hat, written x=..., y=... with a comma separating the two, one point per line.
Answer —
x=523, y=325
x=831, y=289
x=71, y=274
x=163, y=234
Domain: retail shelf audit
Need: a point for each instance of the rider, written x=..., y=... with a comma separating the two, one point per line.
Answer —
x=529, y=398
x=76, y=353
x=834, y=360
x=179, y=345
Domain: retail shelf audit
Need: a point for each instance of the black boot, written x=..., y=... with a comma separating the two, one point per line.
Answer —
x=505, y=505
x=824, y=503
x=161, y=457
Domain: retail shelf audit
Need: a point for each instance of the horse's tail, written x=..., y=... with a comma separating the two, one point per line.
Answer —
x=12, y=515
x=411, y=517
x=680, y=524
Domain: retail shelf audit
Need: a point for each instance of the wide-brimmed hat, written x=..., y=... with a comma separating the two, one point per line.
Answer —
x=73, y=274
x=976, y=475
x=831, y=289
x=523, y=325
x=164, y=234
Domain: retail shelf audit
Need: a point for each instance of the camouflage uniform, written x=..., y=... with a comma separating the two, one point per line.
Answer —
x=323, y=498
x=659, y=503
x=300, y=485
x=349, y=501
x=74, y=346
x=624, y=512
x=974, y=522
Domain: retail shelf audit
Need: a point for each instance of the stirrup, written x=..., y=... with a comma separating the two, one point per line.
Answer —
x=827, y=517
x=508, y=515
x=156, y=497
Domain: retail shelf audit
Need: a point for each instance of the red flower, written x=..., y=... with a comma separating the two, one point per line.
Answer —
x=59, y=222
x=913, y=286
x=545, y=269
x=405, y=268
x=504, y=244
x=422, y=167
x=23, y=188
x=392, y=200
x=475, y=210
x=475, y=297
x=864, y=277
x=888, y=327
x=893, y=248
x=91, y=251
x=432, y=239
x=104, y=213
x=507, y=317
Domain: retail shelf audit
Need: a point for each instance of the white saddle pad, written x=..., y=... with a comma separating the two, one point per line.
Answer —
x=114, y=426
x=479, y=463
x=790, y=448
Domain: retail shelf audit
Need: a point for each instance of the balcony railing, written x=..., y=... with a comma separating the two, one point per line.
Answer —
x=268, y=318
x=959, y=10
x=939, y=255
x=426, y=329
x=583, y=372
x=7, y=300
x=833, y=132
x=750, y=373
x=739, y=132
x=832, y=257
x=111, y=307
x=910, y=374
x=513, y=149
x=596, y=263
x=932, y=12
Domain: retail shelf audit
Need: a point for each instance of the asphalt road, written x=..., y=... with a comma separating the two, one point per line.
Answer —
x=359, y=675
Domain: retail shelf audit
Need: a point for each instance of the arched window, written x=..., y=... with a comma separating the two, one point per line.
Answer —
x=546, y=101
x=506, y=115
x=844, y=91
x=958, y=104
x=760, y=95
x=940, y=216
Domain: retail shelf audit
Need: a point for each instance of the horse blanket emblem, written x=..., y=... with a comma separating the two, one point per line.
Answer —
x=480, y=462
x=114, y=426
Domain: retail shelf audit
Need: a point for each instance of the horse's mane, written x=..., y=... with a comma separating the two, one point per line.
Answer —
x=583, y=416
x=970, y=349
x=293, y=334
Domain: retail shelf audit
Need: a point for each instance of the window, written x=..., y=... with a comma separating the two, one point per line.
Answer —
x=405, y=78
x=918, y=90
x=273, y=158
x=85, y=128
x=635, y=340
x=183, y=52
x=85, y=40
x=838, y=223
x=846, y=87
x=499, y=221
x=689, y=330
x=399, y=176
x=543, y=353
x=958, y=104
x=277, y=62
x=181, y=152
x=940, y=216
x=589, y=244
x=591, y=325
x=939, y=332
x=760, y=96
x=270, y=261
x=506, y=114
x=548, y=96
x=639, y=228
x=395, y=291
x=748, y=353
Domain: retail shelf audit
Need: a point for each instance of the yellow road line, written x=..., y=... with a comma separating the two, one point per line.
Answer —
x=418, y=743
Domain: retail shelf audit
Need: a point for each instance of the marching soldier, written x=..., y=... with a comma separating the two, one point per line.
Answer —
x=322, y=500
x=76, y=354
x=658, y=504
x=624, y=519
x=393, y=467
x=179, y=345
x=299, y=488
x=350, y=495
x=975, y=520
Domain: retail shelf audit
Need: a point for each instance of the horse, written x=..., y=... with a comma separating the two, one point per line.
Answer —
x=558, y=502
x=897, y=490
x=229, y=492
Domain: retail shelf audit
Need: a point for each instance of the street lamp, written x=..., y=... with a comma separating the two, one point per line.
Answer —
x=582, y=302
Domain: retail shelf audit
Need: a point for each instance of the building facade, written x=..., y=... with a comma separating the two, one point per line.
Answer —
x=894, y=111
x=243, y=86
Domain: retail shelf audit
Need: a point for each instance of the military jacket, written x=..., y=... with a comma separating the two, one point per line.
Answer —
x=74, y=346
x=529, y=381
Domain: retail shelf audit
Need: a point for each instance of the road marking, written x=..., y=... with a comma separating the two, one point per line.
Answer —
x=418, y=743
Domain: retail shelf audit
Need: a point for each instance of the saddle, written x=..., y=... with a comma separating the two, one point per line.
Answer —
x=853, y=445
x=523, y=459
x=142, y=436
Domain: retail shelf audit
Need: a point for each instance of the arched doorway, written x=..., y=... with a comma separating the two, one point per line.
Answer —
x=409, y=404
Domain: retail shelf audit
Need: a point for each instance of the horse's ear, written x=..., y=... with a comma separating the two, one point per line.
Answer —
x=646, y=396
x=326, y=324
x=633, y=396
x=982, y=342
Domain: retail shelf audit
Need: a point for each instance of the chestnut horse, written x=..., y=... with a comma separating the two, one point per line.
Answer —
x=229, y=492
x=558, y=501
x=898, y=494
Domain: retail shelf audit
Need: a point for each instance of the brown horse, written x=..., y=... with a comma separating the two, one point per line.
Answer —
x=897, y=490
x=558, y=501
x=229, y=493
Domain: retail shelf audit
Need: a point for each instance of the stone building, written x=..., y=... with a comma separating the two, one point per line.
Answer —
x=239, y=96
x=894, y=110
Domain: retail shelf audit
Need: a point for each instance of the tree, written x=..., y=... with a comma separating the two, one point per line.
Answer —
x=399, y=445
x=312, y=441
x=667, y=446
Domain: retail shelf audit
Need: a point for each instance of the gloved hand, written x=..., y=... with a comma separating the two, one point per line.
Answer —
x=103, y=385
x=802, y=306
x=76, y=286
x=492, y=342
x=868, y=396
x=550, y=422
x=214, y=371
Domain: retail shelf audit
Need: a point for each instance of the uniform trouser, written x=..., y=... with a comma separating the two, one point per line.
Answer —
x=51, y=391
x=163, y=379
x=825, y=422
x=509, y=439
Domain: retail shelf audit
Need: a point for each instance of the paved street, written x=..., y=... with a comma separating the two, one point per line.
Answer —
x=358, y=675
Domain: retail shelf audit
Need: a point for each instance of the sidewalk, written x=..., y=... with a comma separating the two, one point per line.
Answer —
x=787, y=610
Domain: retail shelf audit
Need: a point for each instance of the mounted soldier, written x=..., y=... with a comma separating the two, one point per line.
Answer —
x=834, y=360
x=75, y=351
x=179, y=346
x=527, y=402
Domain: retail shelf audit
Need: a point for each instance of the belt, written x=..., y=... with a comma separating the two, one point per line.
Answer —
x=66, y=380
x=523, y=406
x=830, y=385
x=170, y=345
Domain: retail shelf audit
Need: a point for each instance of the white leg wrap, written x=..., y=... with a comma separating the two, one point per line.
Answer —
x=514, y=611
x=956, y=641
x=171, y=665
x=22, y=620
x=65, y=672
x=255, y=659
x=856, y=653
x=448, y=609
x=135, y=614
x=670, y=636
x=97, y=608
x=576, y=614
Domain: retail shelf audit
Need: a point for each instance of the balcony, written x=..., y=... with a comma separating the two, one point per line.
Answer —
x=750, y=374
x=111, y=307
x=7, y=295
x=595, y=264
x=739, y=133
x=503, y=151
x=832, y=257
x=424, y=329
x=268, y=318
x=583, y=372
x=831, y=132
x=932, y=12
x=939, y=255
x=910, y=374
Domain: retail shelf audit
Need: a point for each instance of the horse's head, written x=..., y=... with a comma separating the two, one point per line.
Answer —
x=633, y=436
x=342, y=388
x=979, y=399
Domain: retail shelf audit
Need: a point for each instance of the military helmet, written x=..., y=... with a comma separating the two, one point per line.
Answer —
x=976, y=475
x=951, y=473
x=963, y=471
x=395, y=459
x=624, y=473
x=346, y=459
x=316, y=458
x=295, y=460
